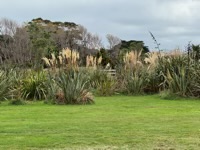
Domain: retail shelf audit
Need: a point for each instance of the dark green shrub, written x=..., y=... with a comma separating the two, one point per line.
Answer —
x=167, y=95
x=135, y=82
x=34, y=86
x=73, y=88
x=6, y=84
x=103, y=83
x=52, y=89
x=17, y=102
x=106, y=87
x=195, y=80
x=152, y=82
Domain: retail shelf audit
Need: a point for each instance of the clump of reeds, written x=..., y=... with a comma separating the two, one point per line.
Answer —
x=70, y=57
x=65, y=58
x=151, y=60
x=132, y=59
x=92, y=61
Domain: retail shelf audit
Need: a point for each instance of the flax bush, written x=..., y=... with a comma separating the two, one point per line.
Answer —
x=102, y=83
x=33, y=86
x=6, y=84
x=179, y=81
x=135, y=82
x=74, y=88
x=133, y=74
x=180, y=74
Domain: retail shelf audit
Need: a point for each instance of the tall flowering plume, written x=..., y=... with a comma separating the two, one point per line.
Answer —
x=132, y=59
x=70, y=57
x=151, y=60
x=92, y=61
x=65, y=58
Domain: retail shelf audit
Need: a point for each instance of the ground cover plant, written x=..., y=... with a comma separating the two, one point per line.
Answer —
x=117, y=122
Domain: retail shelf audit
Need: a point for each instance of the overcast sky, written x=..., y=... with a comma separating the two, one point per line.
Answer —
x=173, y=22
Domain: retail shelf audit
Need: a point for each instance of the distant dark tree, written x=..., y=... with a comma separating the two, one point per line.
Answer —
x=51, y=37
x=133, y=45
x=196, y=51
x=116, y=54
x=105, y=57
x=41, y=42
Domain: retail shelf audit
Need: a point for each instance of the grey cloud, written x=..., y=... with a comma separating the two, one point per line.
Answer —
x=174, y=22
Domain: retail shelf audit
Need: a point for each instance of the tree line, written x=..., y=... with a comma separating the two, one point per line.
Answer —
x=25, y=45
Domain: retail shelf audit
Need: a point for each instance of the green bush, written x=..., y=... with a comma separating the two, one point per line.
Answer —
x=96, y=77
x=6, y=84
x=102, y=83
x=73, y=88
x=107, y=87
x=167, y=95
x=195, y=80
x=33, y=86
x=17, y=102
x=179, y=81
x=135, y=82
x=152, y=80
x=52, y=88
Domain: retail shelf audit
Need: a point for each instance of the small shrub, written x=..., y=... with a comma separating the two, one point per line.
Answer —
x=17, y=102
x=33, y=86
x=102, y=83
x=52, y=88
x=195, y=81
x=152, y=82
x=96, y=77
x=106, y=87
x=6, y=84
x=178, y=81
x=134, y=83
x=74, y=88
x=167, y=95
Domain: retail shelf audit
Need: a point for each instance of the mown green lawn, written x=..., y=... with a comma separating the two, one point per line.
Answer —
x=119, y=122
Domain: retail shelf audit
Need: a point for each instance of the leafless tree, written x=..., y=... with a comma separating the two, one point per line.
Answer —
x=94, y=41
x=89, y=40
x=22, y=47
x=113, y=41
x=14, y=43
x=7, y=27
x=7, y=31
x=84, y=35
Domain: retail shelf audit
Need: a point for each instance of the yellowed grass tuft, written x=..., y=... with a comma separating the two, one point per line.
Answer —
x=152, y=60
x=132, y=59
x=92, y=61
x=66, y=58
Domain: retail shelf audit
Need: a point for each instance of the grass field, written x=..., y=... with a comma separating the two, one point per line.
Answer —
x=119, y=122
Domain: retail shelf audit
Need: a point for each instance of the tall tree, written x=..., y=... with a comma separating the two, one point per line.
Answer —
x=196, y=52
x=50, y=37
x=14, y=44
x=113, y=41
x=133, y=45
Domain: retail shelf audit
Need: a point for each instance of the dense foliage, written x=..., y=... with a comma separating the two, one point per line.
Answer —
x=61, y=62
x=24, y=46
